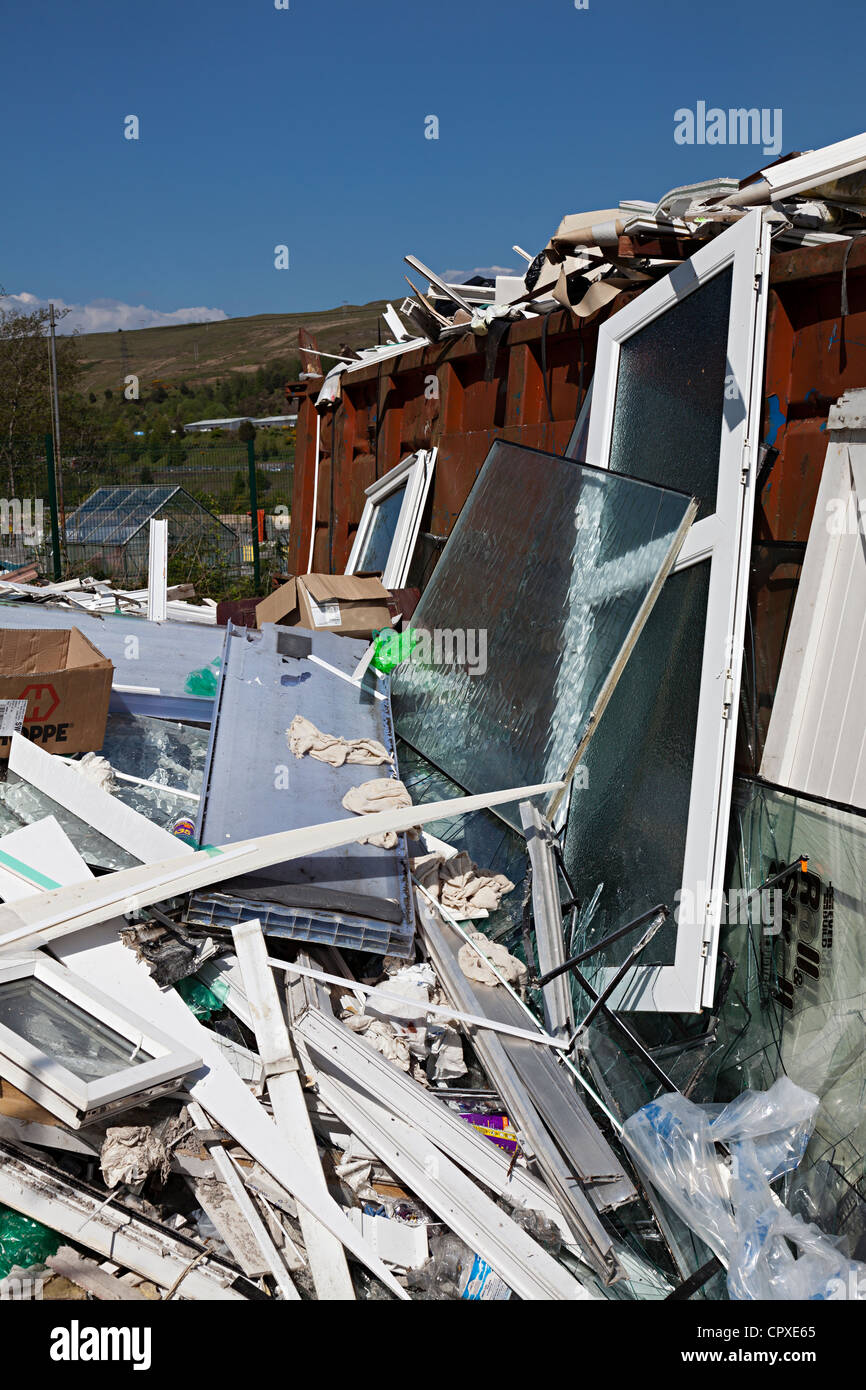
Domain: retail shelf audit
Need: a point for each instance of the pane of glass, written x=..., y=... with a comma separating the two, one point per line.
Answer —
x=89, y=1049
x=798, y=1001
x=627, y=826
x=490, y=844
x=546, y=571
x=22, y=804
x=670, y=395
x=374, y=556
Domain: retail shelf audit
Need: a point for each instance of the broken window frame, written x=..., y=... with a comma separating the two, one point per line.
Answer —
x=416, y=474
x=74, y=1099
x=723, y=538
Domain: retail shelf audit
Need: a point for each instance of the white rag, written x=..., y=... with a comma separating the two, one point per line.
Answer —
x=460, y=885
x=380, y=794
x=474, y=968
x=303, y=737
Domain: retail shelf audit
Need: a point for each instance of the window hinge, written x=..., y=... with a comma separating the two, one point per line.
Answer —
x=710, y=922
x=728, y=697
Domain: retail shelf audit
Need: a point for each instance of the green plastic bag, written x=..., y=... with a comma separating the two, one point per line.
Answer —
x=203, y=682
x=203, y=1001
x=392, y=648
x=24, y=1242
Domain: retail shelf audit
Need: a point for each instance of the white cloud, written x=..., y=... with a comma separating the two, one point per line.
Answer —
x=490, y=272
x=106, y=315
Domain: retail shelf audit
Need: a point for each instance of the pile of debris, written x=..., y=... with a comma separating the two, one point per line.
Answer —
x=387, y=948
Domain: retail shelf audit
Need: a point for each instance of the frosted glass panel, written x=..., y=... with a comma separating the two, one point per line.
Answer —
x=548, y=567
x=670, y=395
x=627, y=827
x=377, y=548
x=89, y=1049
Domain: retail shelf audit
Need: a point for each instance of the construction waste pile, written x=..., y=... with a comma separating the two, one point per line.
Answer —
x=380, y=943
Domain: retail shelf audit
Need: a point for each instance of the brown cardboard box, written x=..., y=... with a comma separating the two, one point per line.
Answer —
x=344, y=603
x=66, y=683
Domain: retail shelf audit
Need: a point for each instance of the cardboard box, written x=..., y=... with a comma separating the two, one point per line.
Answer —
x=345, y=603
x=65, y=682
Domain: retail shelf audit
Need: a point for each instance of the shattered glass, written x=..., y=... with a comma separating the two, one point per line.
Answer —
x=627, y=825
x=23, y=804
x=548, y=571
x=155, y=749
x=161, y=751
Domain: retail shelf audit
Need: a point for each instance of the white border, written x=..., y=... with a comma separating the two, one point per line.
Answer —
x=724, y=538
x=45, y=1079
x=416, y=472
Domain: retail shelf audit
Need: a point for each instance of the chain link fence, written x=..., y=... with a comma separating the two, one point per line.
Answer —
x=227, y=508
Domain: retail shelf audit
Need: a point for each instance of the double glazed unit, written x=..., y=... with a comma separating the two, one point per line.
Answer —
x=388, y=530
x=74, y=1050
x=677, y=401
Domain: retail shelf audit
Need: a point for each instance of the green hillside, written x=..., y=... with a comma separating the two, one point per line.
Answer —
x=204, y=352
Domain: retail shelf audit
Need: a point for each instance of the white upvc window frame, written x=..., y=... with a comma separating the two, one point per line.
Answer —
x=71, y=1098
x=416, y=472
x=724, y=538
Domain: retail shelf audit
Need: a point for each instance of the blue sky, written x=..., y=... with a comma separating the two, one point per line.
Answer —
x=305, y=127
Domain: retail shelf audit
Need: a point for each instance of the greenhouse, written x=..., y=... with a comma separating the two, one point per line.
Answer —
x=110, y=531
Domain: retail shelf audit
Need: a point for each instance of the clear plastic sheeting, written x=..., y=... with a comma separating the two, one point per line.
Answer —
x=732, y=1207
x=797, y=1004
x=548, y=574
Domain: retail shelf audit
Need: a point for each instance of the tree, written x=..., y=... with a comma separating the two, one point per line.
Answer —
x=246, y=431
x=158, y=439
x=117, y=437
x=25, y=406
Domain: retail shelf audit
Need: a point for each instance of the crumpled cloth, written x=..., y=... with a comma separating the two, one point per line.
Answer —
x=460, y=885
x=130, y=1153
x=446, y=1062
x=474, y=968
x=380, y=794
x=98, y=770
x=303, y=737
x=384, y=1038
x=355, y=1170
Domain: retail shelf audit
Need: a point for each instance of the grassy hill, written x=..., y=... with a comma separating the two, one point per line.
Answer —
x=204, y=352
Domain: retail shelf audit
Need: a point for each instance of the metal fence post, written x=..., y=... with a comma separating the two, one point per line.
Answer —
x=254, y=513
x=52, y=507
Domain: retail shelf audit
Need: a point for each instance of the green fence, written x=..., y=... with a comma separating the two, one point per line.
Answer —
x=90, y=515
